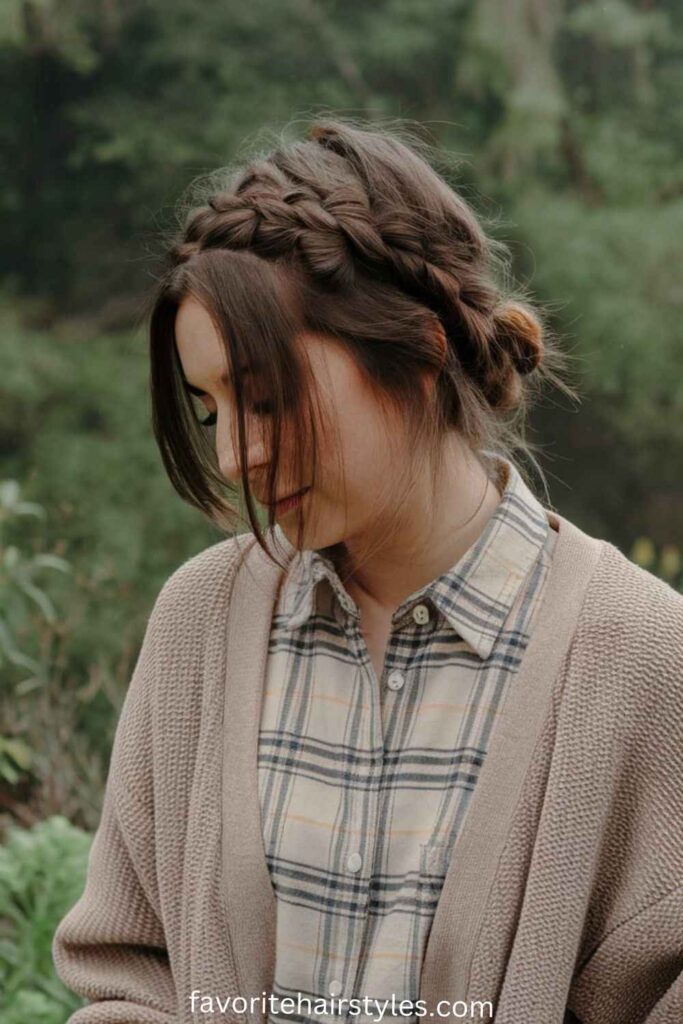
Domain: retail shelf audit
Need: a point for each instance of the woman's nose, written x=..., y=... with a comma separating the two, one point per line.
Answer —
x=228, y=454
x=229, y=465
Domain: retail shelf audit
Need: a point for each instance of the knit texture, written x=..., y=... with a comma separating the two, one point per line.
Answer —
x=606, y=785
x=584, y=920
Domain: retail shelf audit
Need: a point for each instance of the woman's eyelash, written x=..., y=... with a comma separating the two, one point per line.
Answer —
x=260, y=408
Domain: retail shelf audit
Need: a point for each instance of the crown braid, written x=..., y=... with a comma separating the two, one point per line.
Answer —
x=340, y=223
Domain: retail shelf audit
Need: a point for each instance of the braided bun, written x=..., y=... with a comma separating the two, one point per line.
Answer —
x=516, y=349
x=519, y=332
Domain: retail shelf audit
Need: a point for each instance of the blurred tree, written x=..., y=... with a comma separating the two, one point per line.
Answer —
x=567, y=116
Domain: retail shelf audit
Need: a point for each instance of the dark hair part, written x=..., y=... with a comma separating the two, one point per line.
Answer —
x=354, y=234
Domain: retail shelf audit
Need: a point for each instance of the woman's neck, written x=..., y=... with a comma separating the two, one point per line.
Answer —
x=432, y=536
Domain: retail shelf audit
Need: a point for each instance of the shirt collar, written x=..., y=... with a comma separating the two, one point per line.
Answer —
x=475, y=595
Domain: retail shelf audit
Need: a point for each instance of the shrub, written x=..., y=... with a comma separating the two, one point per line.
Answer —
x=42, y=874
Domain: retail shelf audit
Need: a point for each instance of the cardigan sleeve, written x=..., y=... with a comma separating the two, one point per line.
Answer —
x=636, y=973
x=111, y=948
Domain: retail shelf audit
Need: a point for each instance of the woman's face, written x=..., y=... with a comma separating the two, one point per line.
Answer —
x=356, y=456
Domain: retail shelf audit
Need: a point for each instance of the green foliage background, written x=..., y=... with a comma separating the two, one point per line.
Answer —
x=567, y=117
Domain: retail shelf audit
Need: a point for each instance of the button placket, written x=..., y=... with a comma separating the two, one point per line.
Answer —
x=396, y=679
x=379, y=710
x=354, y=862
x=359, y=865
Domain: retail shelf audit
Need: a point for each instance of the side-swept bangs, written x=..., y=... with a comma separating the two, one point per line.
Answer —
x=256, y=307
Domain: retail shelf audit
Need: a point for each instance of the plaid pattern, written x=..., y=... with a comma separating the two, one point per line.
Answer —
x=364, y=783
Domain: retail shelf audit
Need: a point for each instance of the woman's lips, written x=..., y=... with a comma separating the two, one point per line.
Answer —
x=286, y=504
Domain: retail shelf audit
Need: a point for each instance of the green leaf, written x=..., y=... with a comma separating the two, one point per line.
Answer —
x=19, y=751
x=29, y=508
x=28, y=685
x=52, y=562
x=13, y=653
x=37, y=595
x=9, y=493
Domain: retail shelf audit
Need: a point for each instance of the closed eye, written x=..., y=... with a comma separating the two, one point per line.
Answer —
x=264, y=408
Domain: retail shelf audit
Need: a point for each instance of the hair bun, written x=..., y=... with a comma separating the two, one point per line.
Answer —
x=520, y=333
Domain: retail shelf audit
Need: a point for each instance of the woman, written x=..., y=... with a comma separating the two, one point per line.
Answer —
x=416, y=749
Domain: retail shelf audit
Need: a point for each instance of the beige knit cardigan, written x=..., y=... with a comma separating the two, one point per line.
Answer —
x=563, y=898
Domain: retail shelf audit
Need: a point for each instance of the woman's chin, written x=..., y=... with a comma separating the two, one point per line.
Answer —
x=315, y=536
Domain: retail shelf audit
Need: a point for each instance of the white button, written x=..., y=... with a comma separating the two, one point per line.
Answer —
x=335, y=988
x=395, y=680
x=421, y=614
x=354, y=862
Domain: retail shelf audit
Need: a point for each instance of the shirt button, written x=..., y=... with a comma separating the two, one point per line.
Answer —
x=335, y=988
x=395, y=680
x=354, y=862
x=421, y=614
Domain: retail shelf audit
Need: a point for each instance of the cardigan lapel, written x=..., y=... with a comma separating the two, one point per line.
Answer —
x=452, y=942
x=250, y=899
x=480, y=843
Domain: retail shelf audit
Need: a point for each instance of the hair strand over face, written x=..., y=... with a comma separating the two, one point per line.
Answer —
x=350, y=233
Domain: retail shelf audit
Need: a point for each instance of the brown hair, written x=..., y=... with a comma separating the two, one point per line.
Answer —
x=352, y=233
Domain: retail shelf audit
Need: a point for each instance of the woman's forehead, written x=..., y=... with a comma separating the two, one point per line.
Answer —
x=200, y=349
x=193, y=323
x=204, y=361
